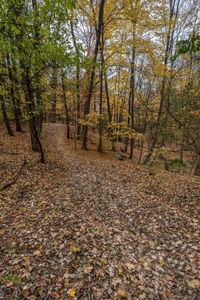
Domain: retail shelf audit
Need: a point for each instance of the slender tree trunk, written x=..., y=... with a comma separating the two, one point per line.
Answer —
x=145, y=125
x=128, y=124
x=100, y=147
x=196, y=167
x=92, y=74
x=38, y=93
x=15, y=103
x=115, y=108
x=132, y=89
x=107, y=95
x=107, y=101
x=35, y=140
x=54, y=95
x=66, y=108
x=39, y=102
x=5, y=116
x=78, y=93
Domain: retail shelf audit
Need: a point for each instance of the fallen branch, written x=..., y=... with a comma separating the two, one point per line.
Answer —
x=9, y=153
x=11, y=182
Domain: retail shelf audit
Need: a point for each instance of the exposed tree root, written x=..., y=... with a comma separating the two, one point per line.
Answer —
x=11, y=182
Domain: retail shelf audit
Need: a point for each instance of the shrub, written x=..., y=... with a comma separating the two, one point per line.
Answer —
x=175, y=165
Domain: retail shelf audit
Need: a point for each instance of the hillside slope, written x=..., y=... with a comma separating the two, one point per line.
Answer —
x=86, y=226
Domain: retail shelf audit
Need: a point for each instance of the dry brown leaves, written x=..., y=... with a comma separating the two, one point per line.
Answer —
x=85, y=227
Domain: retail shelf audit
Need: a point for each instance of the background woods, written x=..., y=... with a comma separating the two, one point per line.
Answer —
x=122, y=74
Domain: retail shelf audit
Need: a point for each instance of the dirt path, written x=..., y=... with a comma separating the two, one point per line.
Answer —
x=96, y=228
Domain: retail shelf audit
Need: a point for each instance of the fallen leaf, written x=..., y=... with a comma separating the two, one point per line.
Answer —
x=141, y=259
x=103, y=261
x=122, y=294
x=130, y=266
x=56, y=295
x=161, y=262
x=36, y=253
x=74, y=248
x=88, y=269
x=72, y=293
x=194, y=283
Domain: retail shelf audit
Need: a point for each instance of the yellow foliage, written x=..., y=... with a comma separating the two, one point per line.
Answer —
x=72, y=293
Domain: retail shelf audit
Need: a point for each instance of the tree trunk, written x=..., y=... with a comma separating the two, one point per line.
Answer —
x=92, y=74
x=54, y=96
x=36, y=45
x=78, y=94
x=15, y=103
x=145, y=124
x=132, y=89
x=107, y=95
x=196, y=167
x=100, y=146
x=5, y=116
x=35, y=140
x=66, y=108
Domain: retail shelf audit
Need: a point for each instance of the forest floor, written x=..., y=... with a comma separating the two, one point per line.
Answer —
x=88, y=226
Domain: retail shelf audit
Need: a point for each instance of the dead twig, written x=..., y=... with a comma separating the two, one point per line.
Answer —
x=11, y=182
x=9, y=153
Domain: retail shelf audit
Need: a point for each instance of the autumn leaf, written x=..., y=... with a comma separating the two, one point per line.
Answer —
x=161, y=261
x=56, y=295
x=134, y=279
x=122, y=294
x=103, y=261
x=36, y=253
x=72, y=293
x=141, y=259
x=74, y=248
x=130, y=266
x=194, y=283
x=88, y=269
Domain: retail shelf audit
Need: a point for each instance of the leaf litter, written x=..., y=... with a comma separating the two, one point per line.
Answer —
x=86, y=226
